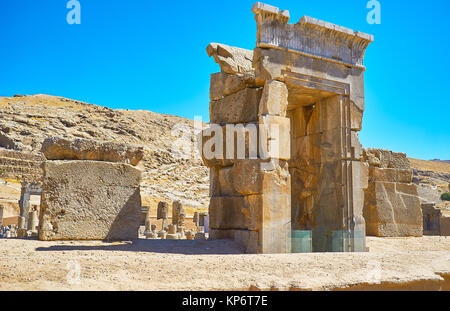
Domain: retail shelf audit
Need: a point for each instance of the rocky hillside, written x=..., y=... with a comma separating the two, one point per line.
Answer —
x=171, y=164
x=432, y=178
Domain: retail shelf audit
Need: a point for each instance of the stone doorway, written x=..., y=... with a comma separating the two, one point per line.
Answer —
x=325, y=197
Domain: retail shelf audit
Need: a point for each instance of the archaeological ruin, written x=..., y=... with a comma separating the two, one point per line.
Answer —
x=431, y=219
x=28, y=189
x=392, y=206
x=302, y=88
x=91, y=192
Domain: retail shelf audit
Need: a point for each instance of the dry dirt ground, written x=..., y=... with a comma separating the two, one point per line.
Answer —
x=394, y=263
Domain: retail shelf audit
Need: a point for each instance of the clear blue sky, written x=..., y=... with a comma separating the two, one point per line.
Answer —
x=143, y=54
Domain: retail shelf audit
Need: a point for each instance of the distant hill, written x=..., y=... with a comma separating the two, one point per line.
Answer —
x=25, y=121
x=444, y=161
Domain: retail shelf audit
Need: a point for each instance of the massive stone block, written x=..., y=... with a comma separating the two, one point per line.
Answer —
x=392, y=207
x=55, y=148
x=231, y=59
x=431, y=219
x=240, y=107
x=90, y=200
x=224, y=84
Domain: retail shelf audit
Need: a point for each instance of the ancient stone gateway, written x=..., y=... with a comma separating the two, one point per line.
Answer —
x=302, y=89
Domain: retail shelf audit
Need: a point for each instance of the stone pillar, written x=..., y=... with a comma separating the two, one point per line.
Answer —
x=195, y=219
x=148, y=225
x=33, y=221
x=172, y=234
x=163, y=213
x=178, y=214
x=21, y=222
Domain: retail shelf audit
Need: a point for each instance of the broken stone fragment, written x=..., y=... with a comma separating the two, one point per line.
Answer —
x=55, y=148
x=231, y=59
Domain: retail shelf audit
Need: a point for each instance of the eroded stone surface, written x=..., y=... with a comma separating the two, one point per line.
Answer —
x=55, y=148
x=90, y=200
x=392, y=207
x=231, y=59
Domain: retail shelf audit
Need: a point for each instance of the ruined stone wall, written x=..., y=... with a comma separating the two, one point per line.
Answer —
x=431, y=219
x=392, y=207
x=20, y=165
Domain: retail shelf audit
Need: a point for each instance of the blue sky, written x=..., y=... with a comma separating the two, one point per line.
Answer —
x=143, y=54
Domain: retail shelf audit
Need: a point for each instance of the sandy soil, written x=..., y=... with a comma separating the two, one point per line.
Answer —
x=212, y=265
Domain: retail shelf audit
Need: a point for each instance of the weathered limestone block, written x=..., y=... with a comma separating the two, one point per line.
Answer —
x=389, y=213
x=392, y=207
x=390, y=174
x=90, y=200
x=228, y=212
x=232, y=60
x=224, y=84
x=240, y=107
x=55, y=148
x=276, y=133
x=162, y=211
x=247, y=177
x=267, y=139
x=274, y=99
x=267, y=213
x=431, y=219
x=386, y=159
x=325, y=147
x=222, y=145
x=177, y=213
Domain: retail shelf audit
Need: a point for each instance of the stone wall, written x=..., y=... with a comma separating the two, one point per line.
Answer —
x=392, y=207
x=431, y=219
